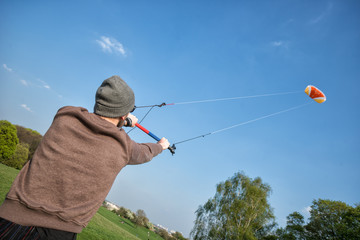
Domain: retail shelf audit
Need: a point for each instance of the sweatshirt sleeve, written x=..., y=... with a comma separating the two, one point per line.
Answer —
x=143, y=152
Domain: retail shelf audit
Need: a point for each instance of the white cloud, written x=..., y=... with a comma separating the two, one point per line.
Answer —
x=44, y=84
x=47, y=86
x=25, y=107
x=111, y=45
x=277, y=43
x=24, y=82
x=7, y=68
x=280, y=44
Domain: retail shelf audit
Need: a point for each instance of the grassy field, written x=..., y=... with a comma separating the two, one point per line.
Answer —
x=7, y=176
x=104, y=225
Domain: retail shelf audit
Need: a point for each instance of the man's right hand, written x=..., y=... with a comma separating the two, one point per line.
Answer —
x=164, y=143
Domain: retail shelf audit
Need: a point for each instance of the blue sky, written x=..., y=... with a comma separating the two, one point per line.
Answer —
x=56, y=53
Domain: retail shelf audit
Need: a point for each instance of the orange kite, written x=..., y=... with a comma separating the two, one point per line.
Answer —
x=315, y=94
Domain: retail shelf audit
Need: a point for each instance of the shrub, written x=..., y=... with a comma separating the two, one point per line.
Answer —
x=8, y=140
x=19, y=158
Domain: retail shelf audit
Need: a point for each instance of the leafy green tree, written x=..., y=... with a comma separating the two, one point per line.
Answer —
x=239, y=210
x=267, y=233
x=178, y=236
x=333, y=220
x=351, y=219
x=30, y=137
x=282, y=234
x=150, y=226
x=164, y=234
x=19, y=158
x=129, y=214
x=295, y=226
x=8, y=140
x=122, y=212
x=125, y=213
x=294, y=229
x=140, y=218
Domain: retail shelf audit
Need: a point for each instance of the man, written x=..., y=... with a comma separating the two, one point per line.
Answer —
x=56, y=194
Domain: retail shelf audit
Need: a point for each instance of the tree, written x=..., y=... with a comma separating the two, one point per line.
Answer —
x=150, y=226
x=129, y=214
x=351, y=219
x=333, y=220
x=140, y=218
x=295, y=226
x=294, y=229
x=30, y=137
x=178, y=236
x=122, y=212
x=20, y=156
x=164, y=234
x=282, y=234
x=8, y=140
x=239, y=210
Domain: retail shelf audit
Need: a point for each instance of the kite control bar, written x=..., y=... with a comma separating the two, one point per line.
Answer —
x=171, y=148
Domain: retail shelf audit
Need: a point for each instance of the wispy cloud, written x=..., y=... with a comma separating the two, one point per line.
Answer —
x=26, y=107
x=280, y=44
x=44, y=84
x=111, y=45
x=38, y=83
x=41, y=84
x=277, y=43
x=322, y=15
x=47, y=87
x=7, y=68
x=24, y=82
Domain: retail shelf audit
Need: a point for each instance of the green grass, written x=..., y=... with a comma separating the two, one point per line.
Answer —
x=102, y=228
x=104, y=225
x=107, y=225
x=7, y=176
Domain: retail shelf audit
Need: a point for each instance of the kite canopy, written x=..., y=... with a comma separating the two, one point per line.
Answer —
x=315, y=94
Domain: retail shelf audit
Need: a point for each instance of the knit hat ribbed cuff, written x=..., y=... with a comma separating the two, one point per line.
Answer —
x=112, y=112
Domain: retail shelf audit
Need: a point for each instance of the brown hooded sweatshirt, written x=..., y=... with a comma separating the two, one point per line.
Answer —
x=72, y=171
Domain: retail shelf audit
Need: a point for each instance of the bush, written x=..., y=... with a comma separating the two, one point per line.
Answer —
x=149, y=226
x=8, y=140
x=30, y=137
x=164, y=234
x=129, y=214
x=19, y=158
x=121, y=212
x=178, y=236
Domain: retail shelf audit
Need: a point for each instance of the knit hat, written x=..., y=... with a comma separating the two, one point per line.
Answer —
x=114, y=98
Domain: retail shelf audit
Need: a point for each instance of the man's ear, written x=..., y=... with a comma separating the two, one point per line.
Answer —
x=124, y=117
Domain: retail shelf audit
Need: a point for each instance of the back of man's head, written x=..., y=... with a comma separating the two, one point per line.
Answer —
x=114, y=98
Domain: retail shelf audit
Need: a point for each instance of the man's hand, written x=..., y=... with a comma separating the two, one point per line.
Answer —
x=133, y=120
x=164, y=143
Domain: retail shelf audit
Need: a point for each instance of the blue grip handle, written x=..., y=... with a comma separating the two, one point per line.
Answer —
x=153, y=136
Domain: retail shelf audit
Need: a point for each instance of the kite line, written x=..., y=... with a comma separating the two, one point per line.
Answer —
x=244, y=123
x=312, y=91
x=235, y=98
x=218, y=99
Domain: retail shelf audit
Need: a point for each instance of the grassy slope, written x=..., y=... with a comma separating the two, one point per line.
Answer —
x=7, y=176
x=104, y=225
x=114, y=222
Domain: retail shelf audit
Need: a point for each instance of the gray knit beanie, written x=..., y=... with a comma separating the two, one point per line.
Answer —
x=114, y=98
